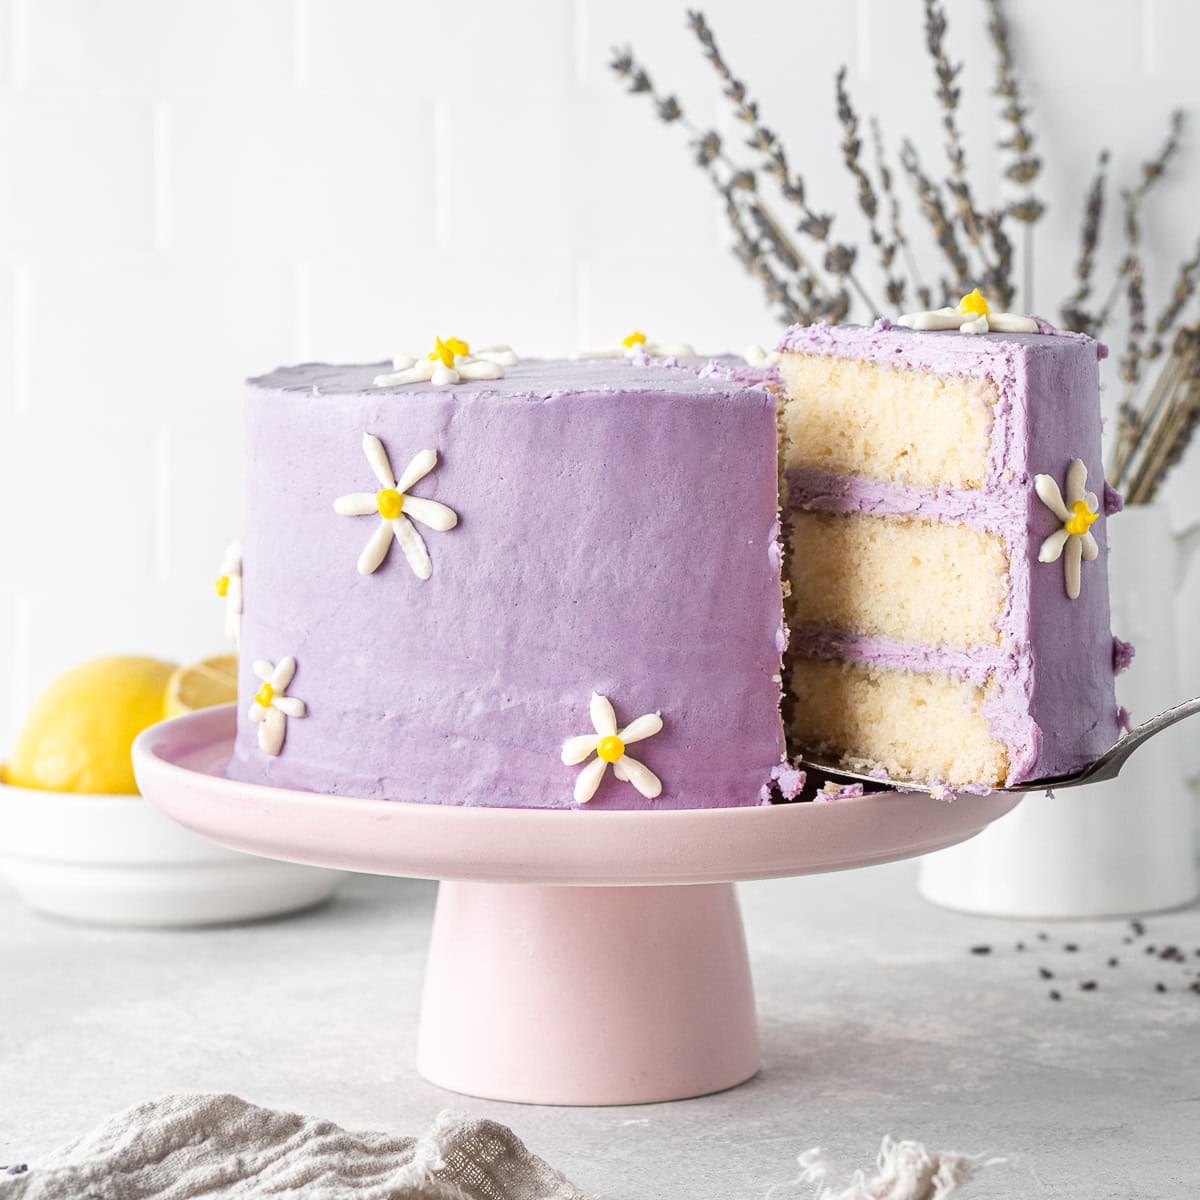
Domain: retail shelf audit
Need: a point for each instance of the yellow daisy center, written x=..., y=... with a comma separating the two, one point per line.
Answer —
x=611, y=748
x=446, y=350
x=223, y=585
x=973, y=304
x=1083, y=519
x=636, y=338
x=264, y=695
x=389, y=502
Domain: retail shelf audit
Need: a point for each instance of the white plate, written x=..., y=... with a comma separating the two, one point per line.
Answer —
x=117, y=860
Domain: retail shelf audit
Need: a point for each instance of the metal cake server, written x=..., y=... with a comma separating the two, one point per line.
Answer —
x=1107, y=766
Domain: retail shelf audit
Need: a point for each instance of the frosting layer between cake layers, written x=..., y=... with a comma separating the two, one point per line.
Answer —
x=616, y=534
x=930, y=638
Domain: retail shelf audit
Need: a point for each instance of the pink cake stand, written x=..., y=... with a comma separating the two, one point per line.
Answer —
x=577, y=957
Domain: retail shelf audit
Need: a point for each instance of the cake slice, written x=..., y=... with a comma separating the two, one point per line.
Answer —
x=949, y=613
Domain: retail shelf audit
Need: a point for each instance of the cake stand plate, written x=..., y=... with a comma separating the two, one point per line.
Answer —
x=577, y=957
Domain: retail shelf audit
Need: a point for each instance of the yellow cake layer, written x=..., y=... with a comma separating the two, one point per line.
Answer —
x=915, y=726
x=916, y=581
x=892, y=423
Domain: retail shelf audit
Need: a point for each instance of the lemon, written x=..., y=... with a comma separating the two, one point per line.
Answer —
x=78, y=734
x=203, y=684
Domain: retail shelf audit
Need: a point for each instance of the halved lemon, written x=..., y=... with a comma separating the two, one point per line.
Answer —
x=202, y=684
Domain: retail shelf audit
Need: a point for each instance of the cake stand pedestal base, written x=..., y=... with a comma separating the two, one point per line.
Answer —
x=587, y=995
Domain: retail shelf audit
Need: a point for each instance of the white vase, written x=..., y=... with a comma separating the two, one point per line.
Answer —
x=1123, y=847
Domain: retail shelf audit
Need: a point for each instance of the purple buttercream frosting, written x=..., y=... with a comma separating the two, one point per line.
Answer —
x=617, y=525
x=1050, y=695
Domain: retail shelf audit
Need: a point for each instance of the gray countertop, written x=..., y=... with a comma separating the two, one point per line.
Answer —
x=876, y=1018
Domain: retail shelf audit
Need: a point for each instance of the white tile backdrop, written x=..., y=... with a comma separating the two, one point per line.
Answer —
x=195, y=190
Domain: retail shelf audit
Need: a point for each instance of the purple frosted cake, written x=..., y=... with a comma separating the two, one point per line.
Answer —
x=949, y=606
x=485, y=582
x=473, y=580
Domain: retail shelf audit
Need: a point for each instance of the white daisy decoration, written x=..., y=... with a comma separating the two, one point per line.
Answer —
x=229, y=588
x=972, y=315
x=450, y=361
x=608, y=744
x=271, y=708
x=759, y=356
x=394, y=507
x=635, y=344
x=1078, y=513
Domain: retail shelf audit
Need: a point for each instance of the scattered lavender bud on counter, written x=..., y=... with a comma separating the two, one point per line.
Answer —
x=1088, y=985
x=1020, y=945
x=981, y=949
x=1045, y=973
x=1055, y=994
x=1160, y=987
x=1112, y=962
x=1138, y=927
x=1070, y=947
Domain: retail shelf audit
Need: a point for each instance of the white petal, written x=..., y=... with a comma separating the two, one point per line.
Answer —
x=576, y=749
x=938, y=318
x=375, y=551
x=479, y=368
x=1047, y=489
x=678, y=350
x=1012, y=323
x=418, y=373
x=1090, y=548
x=588, y=780
x=1076, y=480
x=290, y=706
x=422, y=463
x=642, y=777
x=283, y=674
x=430, y=512
x=498, y=354
x=1052, y=547
x=977, y=324
x=604, y=720
x=263, y=669
x=642, y=728
x=377, y=456
x=231, y=564
x=256, y=712
x=413, y=547
x=1092, y=501
x=403, y=362
x=619, y=769
x=357, y=504
x=443, y=375
x=271, y=731
x=1071, y=566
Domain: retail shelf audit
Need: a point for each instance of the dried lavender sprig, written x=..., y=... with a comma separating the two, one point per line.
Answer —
x=1074, y=315
x=708, y=149
x=749, y=253
x=1185, y=287
x=1024, y=166
x=1139, y=429
x=839, y=257
x=899, y=239
x=948, y=96
x=933, y=209
x=868, y=201
x=1152, y=171
x=998, y=280
x=1135, y=294
x=1172, y=416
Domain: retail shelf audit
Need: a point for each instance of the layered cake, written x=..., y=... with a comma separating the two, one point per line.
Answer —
x=949, y=612
x=469, y=579
x=512, y=583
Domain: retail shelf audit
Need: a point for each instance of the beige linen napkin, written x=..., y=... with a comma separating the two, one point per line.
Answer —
x=213, y=1147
